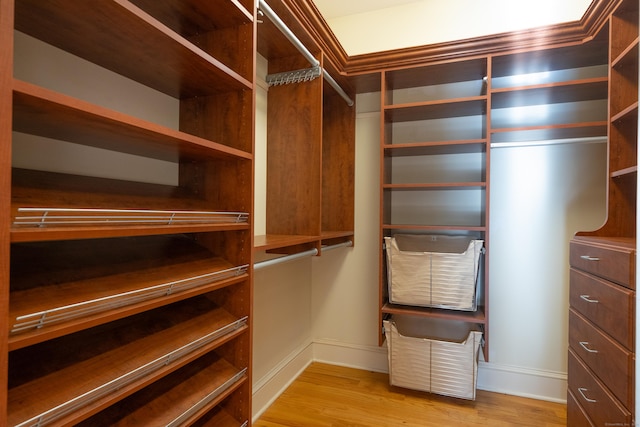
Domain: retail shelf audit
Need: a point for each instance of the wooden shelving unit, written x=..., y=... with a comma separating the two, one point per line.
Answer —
x=438, y=122
x=125, y=295
x=310, y=148
x=434, y=117
x=603, y=261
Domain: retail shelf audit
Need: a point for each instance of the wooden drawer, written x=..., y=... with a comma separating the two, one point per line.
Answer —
x=601, y=407
x=576, y=417
x=607, y=305
x=609, y=361
x=610, y=262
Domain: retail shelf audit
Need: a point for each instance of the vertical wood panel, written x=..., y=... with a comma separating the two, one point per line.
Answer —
x=294, y=136
x=6, y=78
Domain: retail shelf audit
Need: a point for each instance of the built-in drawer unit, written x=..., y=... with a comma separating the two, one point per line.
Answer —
x=611, y=362
x=601, y=372
x=592, y=395
x=615, y=263
x=576, y=413
x=606, y=304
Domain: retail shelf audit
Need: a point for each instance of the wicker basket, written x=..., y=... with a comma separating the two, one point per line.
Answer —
x=433, y=271
x=433, y=355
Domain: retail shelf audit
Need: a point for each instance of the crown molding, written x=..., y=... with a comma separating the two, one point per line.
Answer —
x=576, y=32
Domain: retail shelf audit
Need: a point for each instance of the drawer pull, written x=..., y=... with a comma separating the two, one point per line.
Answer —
x=588, y=299
x=590, y=258
x=582, y=390
x=584, y=345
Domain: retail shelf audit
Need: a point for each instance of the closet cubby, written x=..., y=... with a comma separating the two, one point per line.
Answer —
x=550, y=94
x=124, y=294
x=310, y=148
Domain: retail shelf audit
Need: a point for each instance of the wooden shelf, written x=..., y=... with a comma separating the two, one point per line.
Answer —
x=551, y=93
x=550, y=132
x=435, y=147
x=547, y=132
x=66, y=286
x=438, y=74
x=632, y=170
x=42, y=112
x=477, y=316
x=435, y=186
x=193, y=17
x=183, y=396
x=630, y=112
x=593, y=53
x=628, y=56
x=472, y=106
x=277, y=241
x=129, y=354
x=219, y=418
x=148, y=51
x=441, y=228
x=33, y=189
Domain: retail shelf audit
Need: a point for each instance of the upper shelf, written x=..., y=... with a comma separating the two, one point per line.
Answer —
x=551, y=93
x=472, y=106
x=193, y=17
x=547, y=61
x=42, y=112
x=436, y=74
x=148, y=51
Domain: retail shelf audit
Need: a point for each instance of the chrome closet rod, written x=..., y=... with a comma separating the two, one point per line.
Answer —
x=270, y=262
x=269, y=13
x=346, y=244
x=286, y=258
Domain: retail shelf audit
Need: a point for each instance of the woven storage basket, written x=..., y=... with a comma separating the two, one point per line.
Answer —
x=433, y=355
x=433, y=271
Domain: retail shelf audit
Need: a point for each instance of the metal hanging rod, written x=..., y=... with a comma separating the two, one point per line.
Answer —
x=286, y=258
x=269, y=13
x=346, y=244
x=309, y=253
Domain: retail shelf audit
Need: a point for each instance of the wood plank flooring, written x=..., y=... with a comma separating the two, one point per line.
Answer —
x=332, y=396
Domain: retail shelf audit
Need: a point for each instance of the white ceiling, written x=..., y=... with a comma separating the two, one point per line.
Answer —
x=365, y=26
x=336, y=8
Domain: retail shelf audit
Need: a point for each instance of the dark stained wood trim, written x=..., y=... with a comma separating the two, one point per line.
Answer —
x=360, y=67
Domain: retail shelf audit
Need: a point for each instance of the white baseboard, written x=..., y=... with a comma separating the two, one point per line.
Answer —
x=513, y=380
x=267, y=389
x=525, y=382
x=370, y=358
x=517, y=381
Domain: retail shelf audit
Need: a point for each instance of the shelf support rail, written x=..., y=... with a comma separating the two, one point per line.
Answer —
x=292, y=257
x=269, y=13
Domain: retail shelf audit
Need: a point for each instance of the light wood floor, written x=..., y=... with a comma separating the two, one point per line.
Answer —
x=326, y=395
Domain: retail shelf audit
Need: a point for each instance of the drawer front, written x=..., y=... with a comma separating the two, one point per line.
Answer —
x=576, y=417
x=600, y=406
x=615, y=264
x=605, y=304
x=609, y=361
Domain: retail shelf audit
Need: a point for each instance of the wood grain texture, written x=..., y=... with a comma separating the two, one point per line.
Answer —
x=326, y=395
